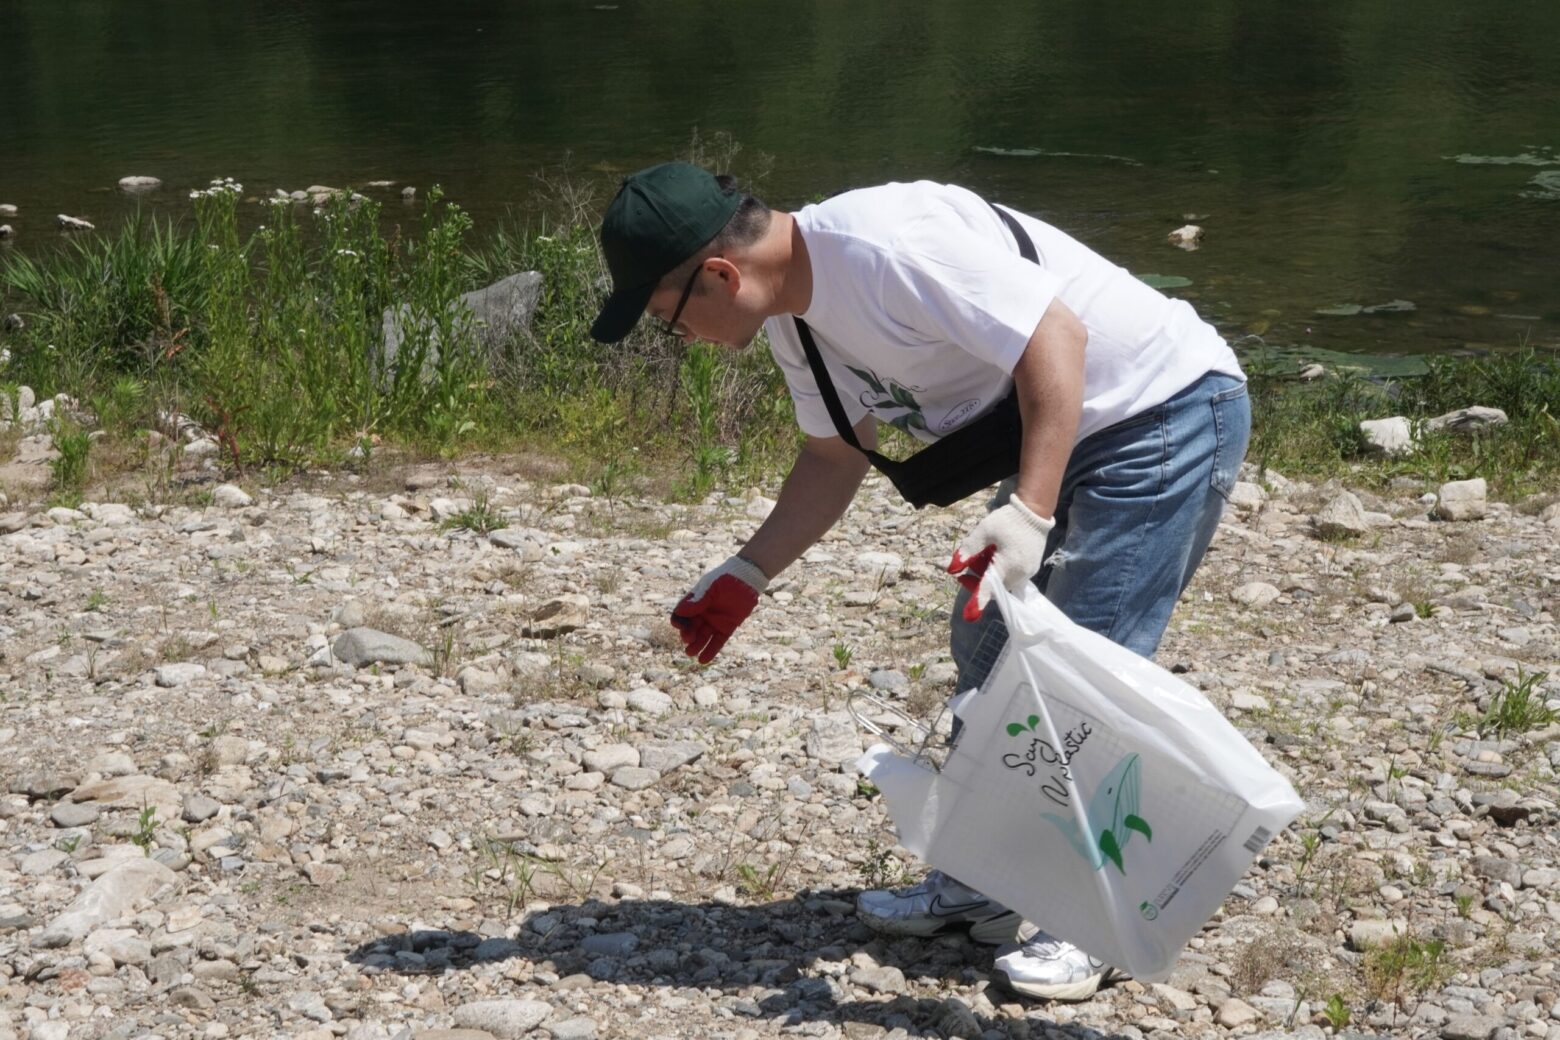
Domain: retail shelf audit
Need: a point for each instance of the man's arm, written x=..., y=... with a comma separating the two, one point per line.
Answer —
x=1049, y=381
x=820, y=486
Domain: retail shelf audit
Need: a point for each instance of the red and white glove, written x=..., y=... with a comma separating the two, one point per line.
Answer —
x=720, y=602
x=1010, y=542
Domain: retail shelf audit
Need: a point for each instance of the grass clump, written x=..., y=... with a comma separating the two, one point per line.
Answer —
x=265, y=325
x=1404, y=968
x=1518, y=707
x=269, y=339
x=1311, y=429
x=479, y=517
x=71, y=465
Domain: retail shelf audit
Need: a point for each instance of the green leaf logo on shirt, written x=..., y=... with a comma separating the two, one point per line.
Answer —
x=883, y=396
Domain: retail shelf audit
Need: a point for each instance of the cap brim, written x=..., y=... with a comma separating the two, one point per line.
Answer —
x=621, y=313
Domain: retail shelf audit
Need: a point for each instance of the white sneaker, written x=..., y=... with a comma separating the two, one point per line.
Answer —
x=1038, y=965
x=935, y=905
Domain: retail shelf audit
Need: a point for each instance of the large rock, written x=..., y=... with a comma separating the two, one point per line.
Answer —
x=230, y=496
x=68, y=223
x=1247, y=497
x=1370, y=932
x=1467, y=420
x=505, y=1019
x=1256, y=594
x=178, y=673
x=1235, y=1014
x=361, y=646
x=1343, y=517
x=139, y=184
x=1391, y=437
x=881, y=567
x=1470, y=1027
x=649, y=701
x=1462, y=500
x=559, y=616
x=108, y=898
x=665, y=756
x=497, y=312
x=136, y=792
x=610, y=757
x=833, y=739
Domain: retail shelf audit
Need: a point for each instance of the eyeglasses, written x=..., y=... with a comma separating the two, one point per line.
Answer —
x=671, y=327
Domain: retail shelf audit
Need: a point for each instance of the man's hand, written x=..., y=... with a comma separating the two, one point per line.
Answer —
x=720, y=602
x=1009, y=541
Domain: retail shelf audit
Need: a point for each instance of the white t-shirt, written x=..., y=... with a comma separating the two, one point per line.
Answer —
x=922, y=305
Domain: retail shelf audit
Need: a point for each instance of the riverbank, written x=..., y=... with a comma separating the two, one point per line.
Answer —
x=544, y=818
x=423, y=339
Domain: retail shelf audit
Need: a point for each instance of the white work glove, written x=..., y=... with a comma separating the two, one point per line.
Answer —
x=722, y=600
x=1010, y=542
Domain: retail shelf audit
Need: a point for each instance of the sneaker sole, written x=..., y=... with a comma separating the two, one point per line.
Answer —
x=1080, y=990
x=993, y=931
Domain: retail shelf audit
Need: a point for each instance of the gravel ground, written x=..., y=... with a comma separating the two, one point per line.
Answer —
x=317, y=761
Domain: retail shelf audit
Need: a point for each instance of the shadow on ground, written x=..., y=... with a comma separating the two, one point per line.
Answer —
x=755, y=955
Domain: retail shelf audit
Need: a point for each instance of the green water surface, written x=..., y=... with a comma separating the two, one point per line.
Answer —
x=1339, y=155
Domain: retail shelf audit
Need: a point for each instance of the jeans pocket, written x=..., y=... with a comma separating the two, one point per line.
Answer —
x=1231, y=431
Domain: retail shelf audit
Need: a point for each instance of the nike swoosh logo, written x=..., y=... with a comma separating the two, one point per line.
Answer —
x=938, y=908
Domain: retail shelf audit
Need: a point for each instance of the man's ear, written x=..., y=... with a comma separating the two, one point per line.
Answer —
x=730, y=274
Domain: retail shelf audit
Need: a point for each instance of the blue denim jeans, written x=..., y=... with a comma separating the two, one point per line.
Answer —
x=1139, y=504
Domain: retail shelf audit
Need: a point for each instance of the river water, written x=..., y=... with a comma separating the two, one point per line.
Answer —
x=1340, y=155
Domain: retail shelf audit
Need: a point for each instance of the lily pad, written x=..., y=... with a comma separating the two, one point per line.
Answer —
x=1164, y=281
x=1349, y=310
x=1548, y=185
x=1033, y=153
x=1392, y=307
x=1523, y=159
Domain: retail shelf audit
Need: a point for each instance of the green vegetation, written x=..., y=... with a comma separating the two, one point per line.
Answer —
x=145, y=835
x=271, y=339
x=1406, y=967
x=264, y=324
x=479, y=516
x=1518, y=707
x=70, y=467
x=1336, y=1011
x=1311, y=429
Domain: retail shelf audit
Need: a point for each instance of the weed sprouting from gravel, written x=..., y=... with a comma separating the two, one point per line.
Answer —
x=1407, y=966
x=881, y=868
x=480, y=517
x=843, y=654
x=1518, y=708
x=145, y=830
x=70, y=470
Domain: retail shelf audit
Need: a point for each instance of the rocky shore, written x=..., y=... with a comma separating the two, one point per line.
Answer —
x=414, y=755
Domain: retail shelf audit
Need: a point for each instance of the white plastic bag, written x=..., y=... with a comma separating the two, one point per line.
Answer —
x=1091, y=790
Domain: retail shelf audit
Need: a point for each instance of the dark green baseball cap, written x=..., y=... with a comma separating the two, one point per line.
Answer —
x=661, y=217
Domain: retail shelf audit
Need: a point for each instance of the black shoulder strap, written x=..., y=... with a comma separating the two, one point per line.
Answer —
x=831, y=397
x=1026, y=245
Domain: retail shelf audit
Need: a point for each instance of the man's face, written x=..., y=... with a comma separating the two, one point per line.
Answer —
x=713, y=307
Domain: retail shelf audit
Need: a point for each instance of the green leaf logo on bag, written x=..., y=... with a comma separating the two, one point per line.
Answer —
x=1112, y=816
x=1014, y=728
x=1112, y=811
